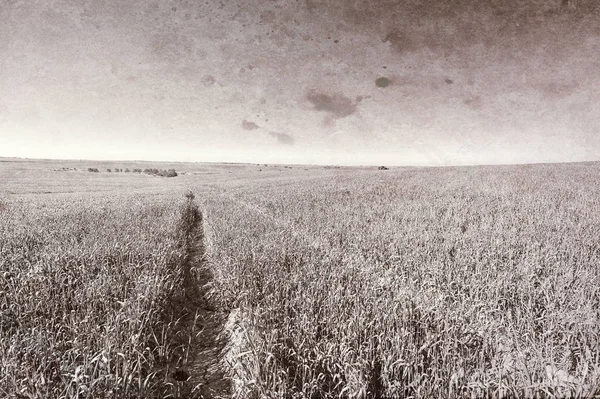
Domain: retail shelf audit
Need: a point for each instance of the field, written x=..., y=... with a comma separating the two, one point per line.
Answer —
x=273, y=281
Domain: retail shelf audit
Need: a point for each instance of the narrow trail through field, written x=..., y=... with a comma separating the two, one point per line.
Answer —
x=203, y=372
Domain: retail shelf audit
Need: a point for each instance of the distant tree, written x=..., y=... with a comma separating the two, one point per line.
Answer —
x=127, y=170
x=108, y=170
x=93, y=170
x=383, y=168
x=158, y=172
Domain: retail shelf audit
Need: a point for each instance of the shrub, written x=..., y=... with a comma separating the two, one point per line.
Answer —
x=93, y=170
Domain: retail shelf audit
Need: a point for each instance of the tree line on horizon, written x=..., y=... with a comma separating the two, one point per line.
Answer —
x=148, y=171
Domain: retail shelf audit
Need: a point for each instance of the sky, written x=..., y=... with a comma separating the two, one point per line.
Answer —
x=395, y=82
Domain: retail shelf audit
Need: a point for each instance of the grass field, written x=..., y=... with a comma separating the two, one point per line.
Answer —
x=322, y=282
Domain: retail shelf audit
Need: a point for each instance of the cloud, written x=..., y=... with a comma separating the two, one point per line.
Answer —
x=247, y=125
x=208, y=80
x=400, y=42
x=283, y=138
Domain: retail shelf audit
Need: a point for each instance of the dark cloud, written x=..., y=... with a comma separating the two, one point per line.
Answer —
x=247, y=125
x=338, y=105
x=283, y=138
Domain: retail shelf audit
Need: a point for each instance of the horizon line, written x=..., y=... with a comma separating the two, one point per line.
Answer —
x=301, y=164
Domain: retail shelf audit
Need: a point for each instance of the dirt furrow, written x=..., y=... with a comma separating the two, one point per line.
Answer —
x=202, y=372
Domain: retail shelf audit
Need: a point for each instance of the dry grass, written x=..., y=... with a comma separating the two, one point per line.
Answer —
x=448, y=282
x=84, y=295
x=424, y=283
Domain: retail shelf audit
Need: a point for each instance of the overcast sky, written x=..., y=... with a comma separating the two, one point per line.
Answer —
x=301, y=81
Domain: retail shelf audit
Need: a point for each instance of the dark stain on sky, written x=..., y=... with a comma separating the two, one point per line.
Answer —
x=337, y=105
x=248, y=125
x=283, y=138
x=382, y=82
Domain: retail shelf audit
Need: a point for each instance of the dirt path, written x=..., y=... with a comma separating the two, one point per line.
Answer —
x=202, y=373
